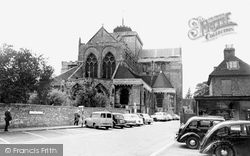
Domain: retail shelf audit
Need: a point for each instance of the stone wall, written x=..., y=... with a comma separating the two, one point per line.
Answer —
x=23, y=115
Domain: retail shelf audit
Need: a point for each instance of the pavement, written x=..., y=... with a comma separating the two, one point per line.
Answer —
x=13, y=130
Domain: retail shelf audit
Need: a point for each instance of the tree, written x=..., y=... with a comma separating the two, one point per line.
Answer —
x=23, y=73
x=88, y=96
x=189, y=94
x=201, y=89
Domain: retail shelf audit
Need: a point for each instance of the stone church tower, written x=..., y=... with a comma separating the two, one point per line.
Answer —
x=137, y=79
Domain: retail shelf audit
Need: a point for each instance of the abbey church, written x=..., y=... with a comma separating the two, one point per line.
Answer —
x=133, y=78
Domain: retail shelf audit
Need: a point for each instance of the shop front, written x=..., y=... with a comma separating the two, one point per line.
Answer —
x=229, y=107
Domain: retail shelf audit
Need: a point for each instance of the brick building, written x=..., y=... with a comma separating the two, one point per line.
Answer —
x=229, y=89
x=131, y=77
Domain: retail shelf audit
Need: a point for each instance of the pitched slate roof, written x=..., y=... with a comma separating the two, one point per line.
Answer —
x=149, y=79
x=71, y=73
x=162, y=81
x=124, y=73
x=159, y=81
x=102, y=35
x=222, y=69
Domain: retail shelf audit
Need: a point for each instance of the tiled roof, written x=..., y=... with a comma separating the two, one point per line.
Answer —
x=222, y=69
x=124, y=73
x=147, y=79
x=159, y=81
x=162, y=81
x=65, y=75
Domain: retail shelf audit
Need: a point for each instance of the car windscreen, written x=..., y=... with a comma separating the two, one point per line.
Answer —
x=118, y=116
x=127, y=116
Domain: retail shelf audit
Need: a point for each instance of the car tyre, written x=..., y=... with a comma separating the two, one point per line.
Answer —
x=193, y=142
x=224, y=148
x=94, y=126
x=86, y=124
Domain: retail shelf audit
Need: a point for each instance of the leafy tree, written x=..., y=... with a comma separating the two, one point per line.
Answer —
x=201, y=89
x=55, y=97
x=89, y=97
x=23, y=73
x=189, y=94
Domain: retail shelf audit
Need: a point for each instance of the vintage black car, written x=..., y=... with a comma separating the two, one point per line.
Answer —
x=118, y=120
x=195, y=129
x=228, y=138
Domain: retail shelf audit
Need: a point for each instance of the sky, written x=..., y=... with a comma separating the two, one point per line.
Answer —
x=53, y=28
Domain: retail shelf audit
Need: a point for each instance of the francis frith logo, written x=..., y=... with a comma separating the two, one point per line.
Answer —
x=211, y=28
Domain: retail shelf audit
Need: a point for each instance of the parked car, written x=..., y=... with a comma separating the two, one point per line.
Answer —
x=175, y=117
x=229, y=138
x=169, y=117
x=99, y=119
x=195, y=129
x=118, y=120
x=159, y=116
x=129, y=120
x=138, y=119
x=146, y=118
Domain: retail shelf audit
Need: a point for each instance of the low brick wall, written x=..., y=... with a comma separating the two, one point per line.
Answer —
x=29, y=115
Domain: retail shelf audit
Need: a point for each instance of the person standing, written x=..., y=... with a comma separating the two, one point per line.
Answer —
x=77, y=116
x=8, y=118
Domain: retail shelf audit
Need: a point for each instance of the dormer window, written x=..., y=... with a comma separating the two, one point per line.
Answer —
x=233, y=65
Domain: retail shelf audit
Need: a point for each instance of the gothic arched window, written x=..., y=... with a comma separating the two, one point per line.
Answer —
x=108, y=65
x=91, y=66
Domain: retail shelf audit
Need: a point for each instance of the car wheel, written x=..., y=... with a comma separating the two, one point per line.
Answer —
x=94, y=126
x=86, y=124
x=193, y=142
x=122, y=127
x=224, y=149
x=107, y=127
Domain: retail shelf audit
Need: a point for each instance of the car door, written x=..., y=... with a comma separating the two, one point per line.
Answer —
x=192, y=127
x=203, y=126
x=103, y=118
x=90, y=120
x=240, y=138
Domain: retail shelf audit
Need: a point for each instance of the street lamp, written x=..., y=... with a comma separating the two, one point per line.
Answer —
x=82, y=113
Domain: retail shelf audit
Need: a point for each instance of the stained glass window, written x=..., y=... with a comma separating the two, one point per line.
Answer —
x=108, y=65
x=91, y=66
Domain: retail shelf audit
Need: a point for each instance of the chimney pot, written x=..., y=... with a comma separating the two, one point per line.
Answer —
x=229, y=50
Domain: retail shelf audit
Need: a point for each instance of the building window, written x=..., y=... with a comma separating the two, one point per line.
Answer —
x=226, y=87
x=108, y=65
x=233, y=65
x=91, y=66
x=159, y=99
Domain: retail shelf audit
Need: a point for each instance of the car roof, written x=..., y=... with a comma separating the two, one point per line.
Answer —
x=101, y=112
x=232, y=122
x=116, y=113
x=206, y=117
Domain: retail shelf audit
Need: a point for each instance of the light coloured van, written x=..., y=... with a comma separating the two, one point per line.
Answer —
x=99, y=119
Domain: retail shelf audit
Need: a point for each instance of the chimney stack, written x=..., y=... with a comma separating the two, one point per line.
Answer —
x=229, y=50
